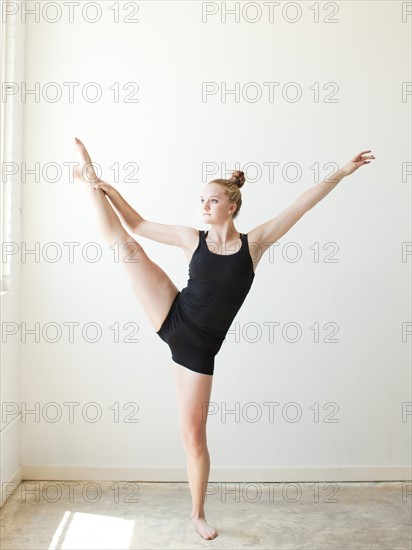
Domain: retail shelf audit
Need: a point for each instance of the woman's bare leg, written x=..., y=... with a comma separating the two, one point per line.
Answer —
x=152, y=286
x=193, y=394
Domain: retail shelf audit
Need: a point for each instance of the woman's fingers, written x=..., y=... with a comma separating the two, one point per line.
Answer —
x=360, y=157
x=362, y=153
x=105, y=187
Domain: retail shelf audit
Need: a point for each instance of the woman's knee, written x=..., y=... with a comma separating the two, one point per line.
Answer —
x=194, y=438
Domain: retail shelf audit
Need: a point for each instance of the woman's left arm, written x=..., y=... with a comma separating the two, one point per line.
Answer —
x=312, y=196
x=266, y=234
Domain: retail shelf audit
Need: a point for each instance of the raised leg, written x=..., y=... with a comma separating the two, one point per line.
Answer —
x=152, y=286
x=193, y=394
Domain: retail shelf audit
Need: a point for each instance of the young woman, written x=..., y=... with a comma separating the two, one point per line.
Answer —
x=194, y=321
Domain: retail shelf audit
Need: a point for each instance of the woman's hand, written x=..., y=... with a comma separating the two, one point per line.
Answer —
x=105, y=187
x=85, y=171
x=356, y=163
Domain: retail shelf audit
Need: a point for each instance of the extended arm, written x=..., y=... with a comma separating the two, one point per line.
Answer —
x=176, y=235
x=316, y=193
x=126, y=213
x=268, y=233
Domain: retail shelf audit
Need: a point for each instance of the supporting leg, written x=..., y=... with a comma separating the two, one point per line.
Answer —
x=193, y=394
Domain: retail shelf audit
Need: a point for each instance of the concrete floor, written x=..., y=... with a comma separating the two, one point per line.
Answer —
x=127, y=515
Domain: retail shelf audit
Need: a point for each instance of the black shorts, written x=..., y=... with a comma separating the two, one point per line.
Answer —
x=188, y=347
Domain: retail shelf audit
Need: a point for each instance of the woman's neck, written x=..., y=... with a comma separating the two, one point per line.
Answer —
x=221, y=235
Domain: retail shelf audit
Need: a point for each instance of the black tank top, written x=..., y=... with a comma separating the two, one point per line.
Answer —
x=217, y=286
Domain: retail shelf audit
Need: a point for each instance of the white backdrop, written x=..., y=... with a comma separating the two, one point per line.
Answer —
x=334, y=289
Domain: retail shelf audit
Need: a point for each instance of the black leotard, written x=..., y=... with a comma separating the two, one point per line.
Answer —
x=202, y=312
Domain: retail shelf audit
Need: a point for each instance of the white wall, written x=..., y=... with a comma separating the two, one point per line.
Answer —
x=11, y=195
x=363, y=379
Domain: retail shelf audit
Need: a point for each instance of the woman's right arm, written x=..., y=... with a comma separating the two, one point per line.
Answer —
x=127, y=214
x=175, y=235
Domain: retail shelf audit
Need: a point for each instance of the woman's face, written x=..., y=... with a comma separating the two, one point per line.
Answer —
x=214, y=204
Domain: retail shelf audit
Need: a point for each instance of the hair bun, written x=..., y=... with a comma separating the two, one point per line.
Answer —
x=238, y=178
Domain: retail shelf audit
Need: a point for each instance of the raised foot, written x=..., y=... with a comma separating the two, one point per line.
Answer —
x=204, y=529
x=84, y=172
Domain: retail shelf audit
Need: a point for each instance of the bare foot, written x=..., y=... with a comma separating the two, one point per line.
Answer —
x=204, y=529
x=85, y=171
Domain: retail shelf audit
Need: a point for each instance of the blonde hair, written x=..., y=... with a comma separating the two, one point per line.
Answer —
x=232, y=188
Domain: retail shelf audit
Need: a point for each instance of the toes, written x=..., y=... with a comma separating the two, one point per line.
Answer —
x=206, y=531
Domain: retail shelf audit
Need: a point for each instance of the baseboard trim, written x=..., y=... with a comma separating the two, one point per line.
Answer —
x=78, y=473
x=9, y=487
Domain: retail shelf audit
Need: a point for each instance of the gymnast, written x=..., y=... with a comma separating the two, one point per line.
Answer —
x=194, y=321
